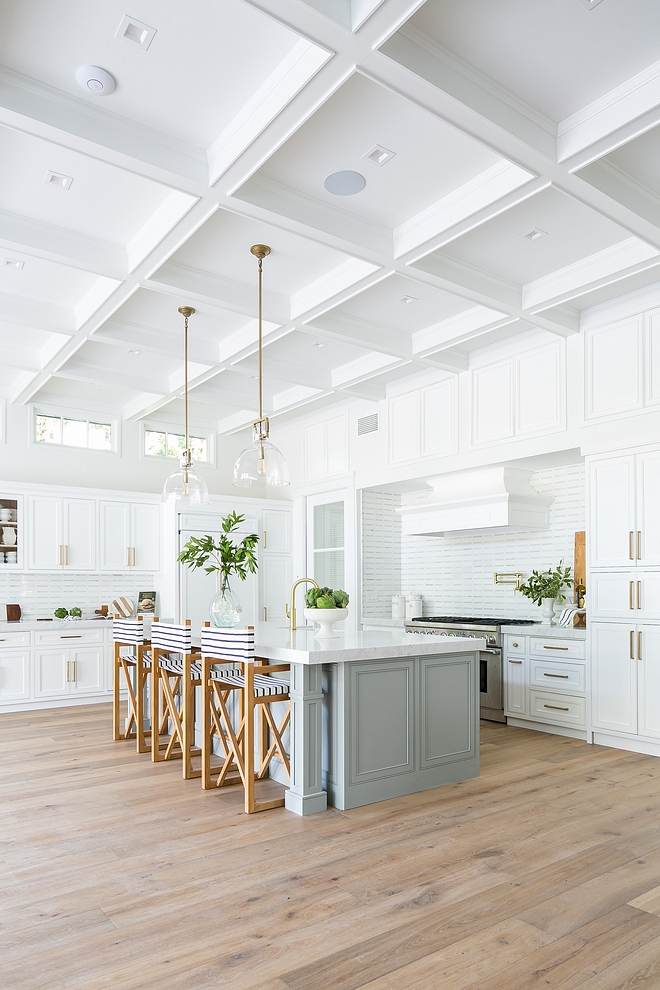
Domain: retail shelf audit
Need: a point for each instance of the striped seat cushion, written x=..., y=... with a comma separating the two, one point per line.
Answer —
x=167, y=636
x=127, y=631
x=228, y=644
x=174, y=665
x=264, y=686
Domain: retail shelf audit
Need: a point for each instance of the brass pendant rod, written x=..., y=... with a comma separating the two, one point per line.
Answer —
x=261, y=340
x=186, y=312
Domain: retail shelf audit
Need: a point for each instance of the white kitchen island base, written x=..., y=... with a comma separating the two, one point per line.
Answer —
x=376, y=715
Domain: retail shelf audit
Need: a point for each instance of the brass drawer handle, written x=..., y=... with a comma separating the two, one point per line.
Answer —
x=639, y=594
x=631, y=537
x=556, y=708
x=639, y=544
x=556, y=648
x=632, y=647
x=71, y=637
x=515, y=661
x=639, y=644
x=630, y=595
x=564, y=677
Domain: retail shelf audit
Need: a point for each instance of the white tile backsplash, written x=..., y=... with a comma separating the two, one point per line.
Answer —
x=40, y=594
x=455, y=573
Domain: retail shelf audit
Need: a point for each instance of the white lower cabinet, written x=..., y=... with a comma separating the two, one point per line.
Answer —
x=55, y=666
x=618, y=594
x=545, y=682
x=275, y=574
x=626, y=678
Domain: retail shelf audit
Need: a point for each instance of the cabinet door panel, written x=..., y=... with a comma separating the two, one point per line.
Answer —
x=276, y=530
x=612, y=512
x=79, y=533
x=276, y=586
x=145, y=536
x=614, y=676
x=44, y=533
x=648, y=667
x=647, y=594
x=516, y=686
x=614, y=595
x=540, y=391
x=492, y=403
x=404, y=426
x=115, y=539
x=86, y=671
x=14, y=676
x=50, y=672
x=613, y=369
x=647, y=545
x=439, y=418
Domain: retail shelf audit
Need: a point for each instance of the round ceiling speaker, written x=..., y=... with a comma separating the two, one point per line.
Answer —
x=95, y=80
x=345, y=183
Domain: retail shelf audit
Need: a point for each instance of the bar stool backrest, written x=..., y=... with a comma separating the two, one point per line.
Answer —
x=227, y=645
x=168, y=636
x=128, y=631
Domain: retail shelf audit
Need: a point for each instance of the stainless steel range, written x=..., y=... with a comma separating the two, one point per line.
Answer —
x=490, y=660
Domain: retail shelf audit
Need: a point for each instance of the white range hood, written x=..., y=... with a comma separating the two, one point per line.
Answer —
x=486, y=500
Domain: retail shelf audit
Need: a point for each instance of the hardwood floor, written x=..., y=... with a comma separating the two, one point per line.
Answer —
x=115, y=873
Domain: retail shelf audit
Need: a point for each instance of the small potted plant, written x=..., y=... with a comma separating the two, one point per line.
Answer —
x=227, y=558
x=546, y=589
x=61, y=613
x=325, y=606
x=75, y=613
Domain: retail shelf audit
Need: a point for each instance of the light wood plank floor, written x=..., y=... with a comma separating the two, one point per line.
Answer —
x=115, y=873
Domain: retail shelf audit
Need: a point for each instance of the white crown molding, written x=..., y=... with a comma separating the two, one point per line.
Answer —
x=296, y=395
x=609, y=112
x=61, y=246
x=361, y=333
x=501, y=178
x=94, y=298
x=456, y=329
x=466, y=280
x=291, y=75
x=632, y=304
x=598, y=268
x=345, y=276
x=172, y=209
x=627, y=179
x=362, y=368
x=36, y=314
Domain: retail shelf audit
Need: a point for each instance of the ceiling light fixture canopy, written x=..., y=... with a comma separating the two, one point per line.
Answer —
x=261, y=463
x=185, y=485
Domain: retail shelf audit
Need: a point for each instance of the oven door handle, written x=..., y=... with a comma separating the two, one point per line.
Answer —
x=495, y=652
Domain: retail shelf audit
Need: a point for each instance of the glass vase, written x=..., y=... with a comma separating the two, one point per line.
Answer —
x=225, y=609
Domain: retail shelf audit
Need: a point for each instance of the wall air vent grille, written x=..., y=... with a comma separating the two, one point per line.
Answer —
x=368, y=424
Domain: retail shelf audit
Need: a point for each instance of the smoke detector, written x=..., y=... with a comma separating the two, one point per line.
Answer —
x=95, y=80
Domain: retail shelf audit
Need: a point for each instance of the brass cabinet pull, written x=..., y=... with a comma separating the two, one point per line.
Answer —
x=556, y=708
x=563, y=677
x=515, y=661
x=630, y=594
x=515, y=646
x=639, y=644
x=631, y=537
x=639, y=544
x=134, y=557
x=265, y=614
x=264, y=545
x=61, y=559
x=74, y=664
x=555, y=648
x=128, y=556
x=639, y=594
x=66, y=555
x=68, y=666
x=79, y=636
x=632, y=644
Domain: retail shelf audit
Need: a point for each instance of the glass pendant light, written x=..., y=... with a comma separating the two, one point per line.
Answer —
x=260, y=464
x=185, y=485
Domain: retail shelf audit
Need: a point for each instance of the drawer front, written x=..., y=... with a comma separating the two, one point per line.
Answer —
x=558, y=676
x=561, y=649
x=10, y=640
x=68, y=637
x=516, y=644
x=560, y=708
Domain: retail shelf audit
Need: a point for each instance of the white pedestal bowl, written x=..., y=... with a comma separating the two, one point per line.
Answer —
x=325, y=617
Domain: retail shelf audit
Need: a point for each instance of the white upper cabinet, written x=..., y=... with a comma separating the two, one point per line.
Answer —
x=523, y=396
x=61, y=533
x=129, y=536
x=624, y=524
x=276, y=531
x=423, y=422
x=325, y=449
x=611, y=512
x=614, y=360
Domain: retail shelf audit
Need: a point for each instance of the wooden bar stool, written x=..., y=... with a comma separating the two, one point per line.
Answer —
x=235, y=685
x=128, y=634
x=175, y=677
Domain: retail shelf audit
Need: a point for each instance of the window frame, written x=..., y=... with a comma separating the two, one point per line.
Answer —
x=200, y=432
x=66, y=412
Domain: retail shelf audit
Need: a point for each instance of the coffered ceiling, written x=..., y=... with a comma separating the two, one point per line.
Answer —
x=509, y=150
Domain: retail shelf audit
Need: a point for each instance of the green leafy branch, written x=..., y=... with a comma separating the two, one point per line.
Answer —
x=548, y=584
x=225, y=555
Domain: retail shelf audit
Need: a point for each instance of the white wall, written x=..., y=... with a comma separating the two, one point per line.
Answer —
x=40, y=594
x=455, y=573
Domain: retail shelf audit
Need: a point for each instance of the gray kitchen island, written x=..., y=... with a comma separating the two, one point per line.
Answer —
x=376, y=714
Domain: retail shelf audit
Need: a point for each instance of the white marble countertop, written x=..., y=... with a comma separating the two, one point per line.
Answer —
x=385, y=621
x=277, y=643
x=29, y=624
x=547, y=631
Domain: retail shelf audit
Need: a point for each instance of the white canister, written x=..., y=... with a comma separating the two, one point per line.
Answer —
x=11, y=558
x=414, y=606
x=398, y=606
x=5, y=515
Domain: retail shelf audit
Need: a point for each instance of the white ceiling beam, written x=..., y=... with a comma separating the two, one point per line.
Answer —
x=63, y=247
x=336, y=326
x=82, y=371
x=179, y=280
x=34, y=313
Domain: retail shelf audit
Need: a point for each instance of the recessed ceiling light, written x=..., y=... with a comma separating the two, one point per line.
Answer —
x=534, y=234
x=345, y=183
x=589, y=3
x=12, y=263
x=379, y=155
x=318, y=344
x=95, y=80
x=136, y=32
x=408, y=299
x=58, y=179
x=135, y=353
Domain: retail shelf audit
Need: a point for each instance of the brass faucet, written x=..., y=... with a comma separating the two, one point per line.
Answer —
x=292, y=614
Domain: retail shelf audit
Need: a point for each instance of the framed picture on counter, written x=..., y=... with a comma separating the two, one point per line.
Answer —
x=146, y=603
